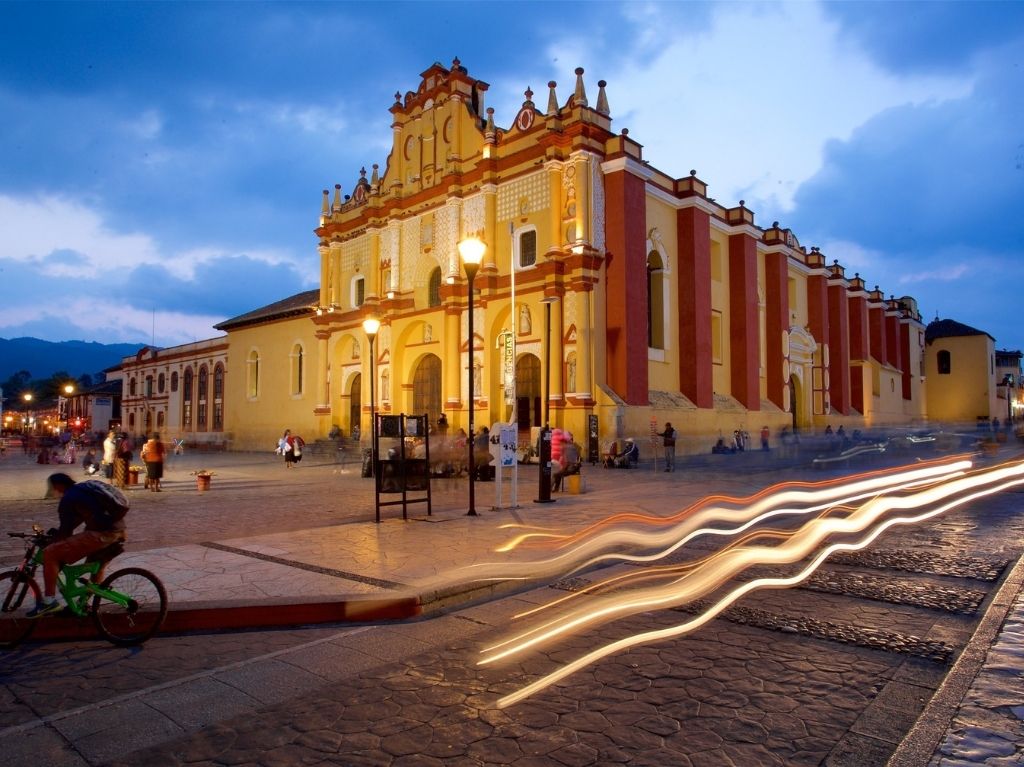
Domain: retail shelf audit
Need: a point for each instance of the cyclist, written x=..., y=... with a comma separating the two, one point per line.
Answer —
x=79, y=503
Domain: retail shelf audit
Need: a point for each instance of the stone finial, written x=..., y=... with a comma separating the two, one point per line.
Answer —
x=552, y=98
x=579, y=96
x=693, y=172
x=489, y=128
x=398, y=97
x=602, y=98
x=325, y=207
x=775, y=224
x=743, y=203
x=337, y=197
x=456, y=64
x=362, y=173
x=374, y=177
x=529, y=97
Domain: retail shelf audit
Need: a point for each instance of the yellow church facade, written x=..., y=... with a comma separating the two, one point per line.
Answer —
x=607, y=289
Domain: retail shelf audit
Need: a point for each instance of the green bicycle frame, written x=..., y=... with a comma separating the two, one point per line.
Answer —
x=76, y=589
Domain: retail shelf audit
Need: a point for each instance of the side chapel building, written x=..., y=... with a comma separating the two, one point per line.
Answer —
x=664, y=304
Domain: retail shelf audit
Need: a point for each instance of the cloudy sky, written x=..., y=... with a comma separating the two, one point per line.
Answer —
x=161, y=163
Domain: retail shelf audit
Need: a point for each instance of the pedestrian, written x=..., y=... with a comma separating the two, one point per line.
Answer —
x=291, y=445
x=90, y=464
x=109, y=454
x=764, y=437
x=442, y=424
x=153, y=453
x=122, y=459
x=668, y=441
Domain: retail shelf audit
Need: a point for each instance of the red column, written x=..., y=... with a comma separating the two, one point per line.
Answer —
x=908, y=374
x=839, y=347
x=776, y=277
x=876, y=324
x=743, y=325
x=694, y=295
x=626, y=272
x=892, y=340
x=858, y=308
x=817, y=307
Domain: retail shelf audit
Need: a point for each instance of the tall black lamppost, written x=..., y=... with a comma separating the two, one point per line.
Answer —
x=1008, y=383
x=27, y=396
x=544, y=478
x=472, y=252
x=370, y=326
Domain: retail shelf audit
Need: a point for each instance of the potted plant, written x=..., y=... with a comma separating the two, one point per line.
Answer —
x=202, y=479
x=133, y=474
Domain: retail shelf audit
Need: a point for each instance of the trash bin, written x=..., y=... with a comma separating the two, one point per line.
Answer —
x=367, y=463
x=573, y=484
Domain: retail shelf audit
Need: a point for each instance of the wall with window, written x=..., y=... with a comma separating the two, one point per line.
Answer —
x=960, y=387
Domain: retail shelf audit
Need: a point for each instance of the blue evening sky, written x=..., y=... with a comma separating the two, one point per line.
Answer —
x=161, y=163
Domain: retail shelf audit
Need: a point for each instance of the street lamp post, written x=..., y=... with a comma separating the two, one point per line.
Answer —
x=544, y=479
x=1008, y=383
x=64, y=404
x=27, y=396
x=472, y=252
x=370, y=326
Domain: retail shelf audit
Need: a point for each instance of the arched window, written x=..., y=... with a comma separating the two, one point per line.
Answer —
x=149, y=386
x=434, y=290
x=201, y=396
x=297, y=363
x=252, y=375
x=358, y=291
x=945, y=363
x=218, y=398
x=186, y=399
x=655, y=301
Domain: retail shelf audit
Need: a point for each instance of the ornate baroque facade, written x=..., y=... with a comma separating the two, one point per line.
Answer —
x=649, y=300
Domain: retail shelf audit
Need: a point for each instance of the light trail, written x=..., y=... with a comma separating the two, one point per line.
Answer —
x=716, y=570
x=613, y=545
x=775, y=490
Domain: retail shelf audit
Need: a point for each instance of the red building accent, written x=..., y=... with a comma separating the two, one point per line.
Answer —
x=839, y=347
x=908, y=374
x=694, y=286
x=817, y=307
x=892, y=340
x=876, y=323
x=626, y=270
x=743, y=325
x=776, y=277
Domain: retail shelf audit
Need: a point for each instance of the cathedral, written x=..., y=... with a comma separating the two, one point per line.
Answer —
x=610, y=296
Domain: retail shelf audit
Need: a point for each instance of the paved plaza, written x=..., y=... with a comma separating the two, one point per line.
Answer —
x=370, y=634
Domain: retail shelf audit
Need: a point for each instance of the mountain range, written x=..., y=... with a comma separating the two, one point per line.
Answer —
x=44, y=358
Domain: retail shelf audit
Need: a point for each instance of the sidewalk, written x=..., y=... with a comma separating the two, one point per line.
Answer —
x=358, y=571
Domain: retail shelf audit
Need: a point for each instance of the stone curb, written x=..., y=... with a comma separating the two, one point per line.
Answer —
x=919, y=745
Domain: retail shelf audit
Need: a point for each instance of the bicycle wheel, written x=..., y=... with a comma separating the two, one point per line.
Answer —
x=15, y=588
x=144, y=614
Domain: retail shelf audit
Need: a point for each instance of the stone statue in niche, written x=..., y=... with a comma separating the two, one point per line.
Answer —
x=525, y=323
x=477, y=377
x=385, y=386
x=428, y=332
x=355, y=350
x=570, y=374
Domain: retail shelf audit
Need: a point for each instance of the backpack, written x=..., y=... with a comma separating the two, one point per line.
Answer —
x=112, y=503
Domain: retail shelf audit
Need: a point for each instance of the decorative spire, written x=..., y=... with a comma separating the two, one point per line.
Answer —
x=529, y=97
x=398, y=97
x=579, y=97
x=552, y=98
x=362, y=176
x=374, y=177
x=337, y=197
x=325, y=207
x=489, y=128
x=602, y=98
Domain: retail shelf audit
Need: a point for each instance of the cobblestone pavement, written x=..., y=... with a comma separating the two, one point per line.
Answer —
x=836, y=672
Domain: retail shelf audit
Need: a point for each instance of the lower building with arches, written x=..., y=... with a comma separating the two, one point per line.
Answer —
x=607, y=288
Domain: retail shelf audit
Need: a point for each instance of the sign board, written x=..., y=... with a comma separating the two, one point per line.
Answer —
x=508, y=438
x=506, y=340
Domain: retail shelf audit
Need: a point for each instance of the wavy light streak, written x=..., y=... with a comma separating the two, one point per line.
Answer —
x=866, y=523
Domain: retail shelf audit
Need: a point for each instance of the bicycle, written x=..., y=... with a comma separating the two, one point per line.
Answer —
x=127, y=608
